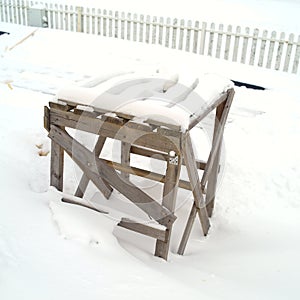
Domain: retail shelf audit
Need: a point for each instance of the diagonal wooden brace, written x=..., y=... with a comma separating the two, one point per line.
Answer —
x=95, y=168
x=107, y=189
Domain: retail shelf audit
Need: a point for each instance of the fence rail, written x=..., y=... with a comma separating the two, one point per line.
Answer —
x=255, y=47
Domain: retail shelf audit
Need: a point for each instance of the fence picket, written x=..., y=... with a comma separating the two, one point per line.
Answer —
x=288, y=53
x=56, y=18
x=1, y=12
x=219, y=41
x=196, y=34
x=174, y=33
x=110, y=24
x=167, y=37
x=297, y=57
x=129, y=26
x=271, y=50
x=104, y=19
x=262, y=48
x=135, y=27
x=236, y=43
x=93, y=21
x=154, y=24
x=245, y=45
x=116, y=34
x=122, y=25
x=279, y=51
x=67, y=16
x=99, y=22
x=147, y=39
x=211, y=39
x=253, y=46
x=71, y=18
x=188, y=35
x=203, y=37
x=161, y=24
x=181, y=35
x=61, y=17
x=141, y=28
x=228, y=40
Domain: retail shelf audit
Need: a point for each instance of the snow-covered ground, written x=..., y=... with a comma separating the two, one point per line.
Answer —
x=50, y=250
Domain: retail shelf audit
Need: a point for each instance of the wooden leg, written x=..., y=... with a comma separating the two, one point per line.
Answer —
x=106, y=189
x=210, y=174
x=57, y=166
x=191, y=166
x=125, y=157
x=169, y=201
x=187, y=230
x=212, y=184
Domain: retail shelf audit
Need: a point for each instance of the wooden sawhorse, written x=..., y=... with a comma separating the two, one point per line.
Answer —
x=146, y=139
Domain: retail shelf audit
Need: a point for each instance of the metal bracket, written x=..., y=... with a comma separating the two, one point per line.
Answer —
x=173, y=160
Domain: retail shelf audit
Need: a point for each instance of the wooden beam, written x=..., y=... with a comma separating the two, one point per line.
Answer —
x=195, y=183
x=217, y=137
x=106, y=188
x=187, y=230
x=94, y=168
x=143, y=229
x=131, y=132
x=125, y=158
x=57, y=166
x=169, y=200
x=70, y=201
x=161, y=156
x=144, y=173
x=196, y=118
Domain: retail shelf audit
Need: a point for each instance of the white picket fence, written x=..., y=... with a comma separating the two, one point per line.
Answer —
x=248, y=46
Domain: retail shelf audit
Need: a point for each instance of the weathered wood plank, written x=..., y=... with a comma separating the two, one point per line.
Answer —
x=71, y=201
x=125, y=157
x=218, y=137
x=130, y=132
x=191, y=167
x=200, y=115
x=143, y=229
x=213, y=174
x=169, y=200
x=82, y=186
x=187, y=230
x=161, y=156
x=57, y=166
x=94, y=168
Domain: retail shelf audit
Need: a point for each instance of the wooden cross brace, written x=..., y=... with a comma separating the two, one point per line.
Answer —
x=97, y=171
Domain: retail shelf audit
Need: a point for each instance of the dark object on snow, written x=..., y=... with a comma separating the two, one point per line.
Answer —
x=248, y=85
x=3, y=32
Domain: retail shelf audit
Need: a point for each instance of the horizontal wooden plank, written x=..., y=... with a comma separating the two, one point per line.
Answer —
x=133, y=133
x=143, y=229
x=147, y=174
x=161, y=155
